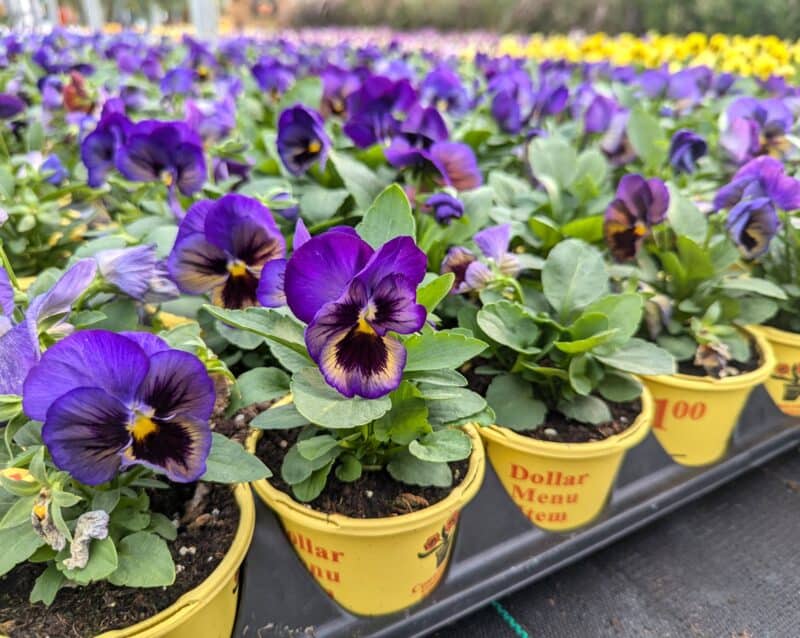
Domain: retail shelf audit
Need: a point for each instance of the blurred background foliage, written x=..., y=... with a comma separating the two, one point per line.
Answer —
x=746, y=17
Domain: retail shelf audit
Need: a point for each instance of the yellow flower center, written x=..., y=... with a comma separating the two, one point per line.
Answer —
x=166, y=178
x=640, y=230
x=237, y=268
x=143, y=426
x=40, y=511
x=314, y=146
x=363, y=326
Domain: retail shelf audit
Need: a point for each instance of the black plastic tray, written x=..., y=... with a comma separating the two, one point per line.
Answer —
x=497, y=550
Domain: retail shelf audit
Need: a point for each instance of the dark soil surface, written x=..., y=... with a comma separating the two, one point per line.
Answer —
x=375, y=495
x=561, y=429
x=206, y=530
x=753, y=363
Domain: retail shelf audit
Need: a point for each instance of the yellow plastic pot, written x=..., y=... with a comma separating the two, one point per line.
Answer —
x=208, y=610
x=783, y=384
x=561, y=486
x=376, y=566
x=694, y=417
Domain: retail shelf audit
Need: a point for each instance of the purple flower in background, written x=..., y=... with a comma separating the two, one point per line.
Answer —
x=19, y=344
x=111, y=401
x=445, y=207
x=54, y=170
x=225, y=168
x=752, y=223
x=756, y=127
x=10, y=106
x=443, y=89
x=272, y=77
x=137, y=272
x=352, y=297
x=761, y=177
x=337, y=85
x=178, y=81
x=615, y=144
x=373, y=109
x=598, y=114
x=654, y=82
x=169, y=152
x=685, y=149
x=99, y=148
x=212, y=120
x=639, y=205
x=472, y=273
x=222, y=247
x=302, y=140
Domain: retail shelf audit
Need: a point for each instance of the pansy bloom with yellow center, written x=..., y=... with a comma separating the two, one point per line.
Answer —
x=639, y=205
x=109, y=401
x=302, y=139
x=223, y=247
x=353, y=298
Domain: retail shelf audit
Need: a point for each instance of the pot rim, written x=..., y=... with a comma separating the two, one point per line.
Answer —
x=194, y=600
x=783, y=337
x=592, y=449
x=739, y=382
x=286, y=507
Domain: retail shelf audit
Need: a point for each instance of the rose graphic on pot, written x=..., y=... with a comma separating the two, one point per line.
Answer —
x=439, y=543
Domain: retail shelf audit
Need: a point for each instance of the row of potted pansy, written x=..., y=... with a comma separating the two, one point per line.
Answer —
x=348, y=301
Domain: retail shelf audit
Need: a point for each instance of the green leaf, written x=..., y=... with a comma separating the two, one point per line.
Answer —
x=10, y=406
x=619, y=387
x=647, y=137
x=511, y=325
x=321, y=204
x=439, y=350
x=694, y=259
x=407, y=419
x=102, y=563
x=762, y=287
x=389, y=217
x=447, y=405
x=431, y=294
x=316, y=446
x=442, y=446
x=348, y=469
x=586, y=410
x=581, y=376
x=363, y=184
x=640, y=357
x=46, y=586
x=268, y=323
x=284, y=417
x=624, y=313
x=19, y=512
x=306, y=91
x=684, y=216
x=322, y=405
x=514, y=406
x=229, y=462
x=261, y=385
x=19, y=544
x=555, y=158
x=589, y=229
x=682, y=348
x=407, y=468
x=105, y=500
x=573, y=276
x=312, y=487
x=163, y=526
x=438, y=377
x=144, y=560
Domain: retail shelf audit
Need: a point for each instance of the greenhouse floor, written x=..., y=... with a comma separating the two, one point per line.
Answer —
x=725, y=566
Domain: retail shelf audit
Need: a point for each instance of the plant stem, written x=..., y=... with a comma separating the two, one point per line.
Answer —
x=5, y=263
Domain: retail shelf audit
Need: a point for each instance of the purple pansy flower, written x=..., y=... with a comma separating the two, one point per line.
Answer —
x=110, y=401
x=685, y=149
x=10, y=106
x=639, y=205
x=170, y=152
x=756, y=127
x=445, y=207
x=373, y=109
x=442, y=88
x=99, y=148
x=337, y=85
x=19, y=344
x=222, y=247
x=473, y=274
x=752, y=223
x=54, y=170
x=302, y=139
x=272, y=76
x=137, y=272
x=761, y=177
x=352, y=297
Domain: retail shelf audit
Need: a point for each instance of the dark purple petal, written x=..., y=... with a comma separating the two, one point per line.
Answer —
x=148, y=342
x=85, y=431
x=195, y=219
x=240, y=289
x=197, y=266
x=302, y=139
x=459, y=165
x=6, y=294
x=301, y=234
x=93, y=359
x=177, y=384
x=320, y=271
x=270, y=291
x=393, y=306
x=752, y=224
x=398, y=255
x=190, y=168
x=10, y=106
